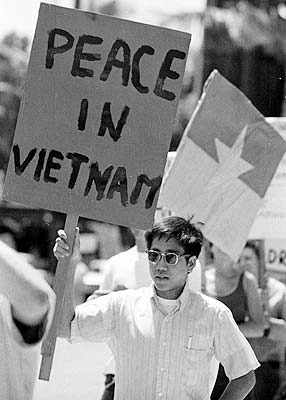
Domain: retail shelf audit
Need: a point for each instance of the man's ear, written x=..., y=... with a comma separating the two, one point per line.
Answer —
x=191, y=263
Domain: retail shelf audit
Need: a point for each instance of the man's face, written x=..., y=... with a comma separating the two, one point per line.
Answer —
x=169, y=280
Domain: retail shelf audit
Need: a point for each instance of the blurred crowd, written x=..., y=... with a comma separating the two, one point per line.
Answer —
x=257, y=299
x=259, y=308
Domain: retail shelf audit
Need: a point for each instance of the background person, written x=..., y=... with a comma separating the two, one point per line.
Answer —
x=26, y=308
x=227, y=282
x=269, y=349
x=163, y=337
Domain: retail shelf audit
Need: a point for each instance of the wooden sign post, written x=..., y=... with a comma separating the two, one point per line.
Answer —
x=61, y=277
x=95, y=123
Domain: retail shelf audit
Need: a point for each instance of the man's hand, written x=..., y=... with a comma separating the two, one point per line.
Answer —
x=62, y=249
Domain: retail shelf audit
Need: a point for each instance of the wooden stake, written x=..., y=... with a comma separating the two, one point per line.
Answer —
x=59, y=285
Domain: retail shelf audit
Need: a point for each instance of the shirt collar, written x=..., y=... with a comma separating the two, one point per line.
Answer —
x=182, y=299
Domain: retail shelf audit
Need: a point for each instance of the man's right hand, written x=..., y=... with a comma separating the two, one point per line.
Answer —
x=62, y=249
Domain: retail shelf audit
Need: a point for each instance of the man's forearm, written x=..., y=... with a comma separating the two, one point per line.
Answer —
x=237, y=389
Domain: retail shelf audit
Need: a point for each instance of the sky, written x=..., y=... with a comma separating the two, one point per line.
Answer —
x=21, y=15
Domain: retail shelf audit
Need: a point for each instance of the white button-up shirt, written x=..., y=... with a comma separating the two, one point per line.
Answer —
x=161, y=356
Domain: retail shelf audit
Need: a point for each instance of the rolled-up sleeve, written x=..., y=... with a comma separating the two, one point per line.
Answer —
x=232, y=348
x=95, y=320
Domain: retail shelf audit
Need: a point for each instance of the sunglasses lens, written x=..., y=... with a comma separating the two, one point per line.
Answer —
x=153, y=256
x=171, y=258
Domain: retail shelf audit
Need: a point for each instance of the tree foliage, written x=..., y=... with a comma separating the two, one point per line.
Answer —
x=13, y=66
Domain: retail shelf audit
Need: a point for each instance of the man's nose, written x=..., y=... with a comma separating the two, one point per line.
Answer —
x=162, y=265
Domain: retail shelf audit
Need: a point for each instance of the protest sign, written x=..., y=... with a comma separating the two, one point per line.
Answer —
x=270, y=221
x=275, y=257
x=224, y=165
x=97, y=115
x=94, y=125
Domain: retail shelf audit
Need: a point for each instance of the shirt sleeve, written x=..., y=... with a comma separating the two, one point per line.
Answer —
x=231, y=347
x=95, y=320
x=13, y=326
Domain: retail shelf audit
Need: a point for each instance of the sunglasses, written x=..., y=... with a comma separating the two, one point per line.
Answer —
x=155, y=256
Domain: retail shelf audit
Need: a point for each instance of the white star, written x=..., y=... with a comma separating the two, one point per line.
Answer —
x=216, y=195
x=231, y=165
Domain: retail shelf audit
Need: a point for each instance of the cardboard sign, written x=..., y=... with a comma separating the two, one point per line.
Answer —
x=275, y=255
x=96, y=118
x=270, y=221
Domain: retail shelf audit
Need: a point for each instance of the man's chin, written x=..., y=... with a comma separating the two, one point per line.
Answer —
x=161, y=281
x=162, y=285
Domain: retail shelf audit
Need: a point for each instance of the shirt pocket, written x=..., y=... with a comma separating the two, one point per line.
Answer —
x=195, y=374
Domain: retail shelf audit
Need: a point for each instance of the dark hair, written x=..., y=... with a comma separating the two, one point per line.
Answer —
x=253, y=246
x=187, y=234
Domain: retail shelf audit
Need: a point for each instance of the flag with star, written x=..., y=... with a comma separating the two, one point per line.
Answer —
x=224, y=165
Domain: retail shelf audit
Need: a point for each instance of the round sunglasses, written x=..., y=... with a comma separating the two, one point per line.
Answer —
x=155, y=256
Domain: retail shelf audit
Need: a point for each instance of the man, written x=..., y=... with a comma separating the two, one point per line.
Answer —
x=164, y=336
x=129, y=270
x=269, y=349
x=26, y=307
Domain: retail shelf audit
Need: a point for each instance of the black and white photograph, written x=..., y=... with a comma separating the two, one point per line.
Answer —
x=143, y=200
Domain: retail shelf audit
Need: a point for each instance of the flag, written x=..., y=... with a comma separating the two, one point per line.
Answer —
x=224, y=165
x=161, y=211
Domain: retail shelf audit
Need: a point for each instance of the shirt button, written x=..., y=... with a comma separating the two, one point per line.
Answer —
x=160, y=394
x=164, y=343
x=161, y=369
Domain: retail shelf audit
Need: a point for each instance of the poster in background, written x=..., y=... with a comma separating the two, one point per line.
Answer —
x=96, y=118
x=270, y=221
